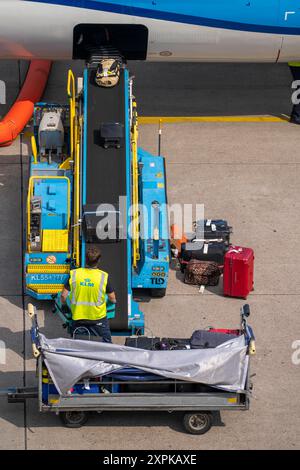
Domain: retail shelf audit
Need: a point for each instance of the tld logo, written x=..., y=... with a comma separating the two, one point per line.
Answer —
x=158, y=281
x=2, y=92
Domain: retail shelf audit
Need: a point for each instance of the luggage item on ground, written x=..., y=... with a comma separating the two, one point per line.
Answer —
x=217, y=229
x=213, y=251
x=202, y=273
x=225, y=331
x=112, y=134
x=238, y=272
x=203, y=339
x=174, y=344
x=142, y=342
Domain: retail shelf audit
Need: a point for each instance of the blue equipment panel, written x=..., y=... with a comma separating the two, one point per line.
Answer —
x=153, y=267
x=54, y=194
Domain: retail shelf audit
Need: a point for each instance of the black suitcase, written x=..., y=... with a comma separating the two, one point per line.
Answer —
x=95, y=218
x=212, y=251
x=142, y=342
x=204, y=339
x=112, y=134
x=217, y=229
x=174, y=344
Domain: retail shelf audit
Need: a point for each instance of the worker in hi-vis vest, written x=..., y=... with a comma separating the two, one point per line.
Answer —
x=88, y=288
x=295, y=71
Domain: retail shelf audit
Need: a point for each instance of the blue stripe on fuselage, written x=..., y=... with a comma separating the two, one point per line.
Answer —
x=126, y=9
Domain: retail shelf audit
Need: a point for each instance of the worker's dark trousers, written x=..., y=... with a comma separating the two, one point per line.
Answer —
x=103, y=330
x=295, y=115
x=100, y=328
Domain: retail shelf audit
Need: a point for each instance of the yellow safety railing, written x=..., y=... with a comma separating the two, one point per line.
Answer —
x=135, y=189
x=74, y=157
x=71, y=90
x=76, y=195
x=34, y=149
x=32, y=180
x=75, y=149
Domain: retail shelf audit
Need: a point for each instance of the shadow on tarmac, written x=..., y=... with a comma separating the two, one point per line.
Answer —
x=104, y=419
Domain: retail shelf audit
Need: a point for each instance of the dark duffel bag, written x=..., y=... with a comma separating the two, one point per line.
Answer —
x=212, y=251
x=202, y=273
x=203, y=339
x=142, y=342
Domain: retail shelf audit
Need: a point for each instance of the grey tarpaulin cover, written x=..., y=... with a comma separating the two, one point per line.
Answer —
x=68, y=361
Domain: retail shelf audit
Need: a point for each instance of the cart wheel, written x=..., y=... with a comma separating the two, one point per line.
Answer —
x=74, y=419
x=197, y=423
x=158, y=293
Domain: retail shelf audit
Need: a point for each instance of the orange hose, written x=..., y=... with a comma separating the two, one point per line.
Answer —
x=21, y=111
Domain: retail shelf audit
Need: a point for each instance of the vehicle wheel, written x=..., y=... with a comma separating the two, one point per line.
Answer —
x=74, y=419
x=158, y=293
x=197, y=423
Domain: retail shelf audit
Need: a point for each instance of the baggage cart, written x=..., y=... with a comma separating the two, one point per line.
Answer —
x=123, y=391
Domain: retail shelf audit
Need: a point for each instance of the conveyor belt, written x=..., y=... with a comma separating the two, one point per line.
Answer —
x=106, y=181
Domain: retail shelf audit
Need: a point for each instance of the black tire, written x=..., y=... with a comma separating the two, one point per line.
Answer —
x=197, y=422
x=73, y=419
x=158, y=293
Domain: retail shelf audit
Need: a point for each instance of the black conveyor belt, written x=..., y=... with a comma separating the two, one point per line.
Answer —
x=106, y=181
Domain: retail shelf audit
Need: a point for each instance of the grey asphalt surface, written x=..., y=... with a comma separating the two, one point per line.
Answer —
x=212, y=89
x=248, y=173
x=184, y=89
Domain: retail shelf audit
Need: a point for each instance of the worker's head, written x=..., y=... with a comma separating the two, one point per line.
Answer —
x=92, y=257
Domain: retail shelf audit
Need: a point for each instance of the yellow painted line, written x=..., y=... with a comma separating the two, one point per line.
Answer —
x=190, y=119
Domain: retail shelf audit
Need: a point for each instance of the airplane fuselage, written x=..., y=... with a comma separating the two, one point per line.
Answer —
x=178, y=30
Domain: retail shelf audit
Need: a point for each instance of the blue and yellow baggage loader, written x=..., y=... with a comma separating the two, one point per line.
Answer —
x=72, y=174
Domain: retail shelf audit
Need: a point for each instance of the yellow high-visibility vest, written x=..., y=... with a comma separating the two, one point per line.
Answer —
x=294, y=64
x=87, y=295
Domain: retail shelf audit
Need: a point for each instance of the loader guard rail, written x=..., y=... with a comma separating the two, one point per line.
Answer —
x=75, y=155
x=135, y=189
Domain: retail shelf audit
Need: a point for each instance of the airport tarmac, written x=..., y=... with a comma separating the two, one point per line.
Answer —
x=247, y=173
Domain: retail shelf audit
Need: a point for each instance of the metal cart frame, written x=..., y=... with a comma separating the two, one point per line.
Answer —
x=197, y=407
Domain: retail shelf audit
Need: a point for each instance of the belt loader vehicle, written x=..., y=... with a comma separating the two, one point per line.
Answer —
x=88, y=176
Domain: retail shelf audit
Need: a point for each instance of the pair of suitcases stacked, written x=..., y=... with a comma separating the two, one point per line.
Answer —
x=200, y=339
x=207, y=253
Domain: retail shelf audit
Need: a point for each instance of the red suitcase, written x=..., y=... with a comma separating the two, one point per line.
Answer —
x=238, y=272
x=225, y=331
